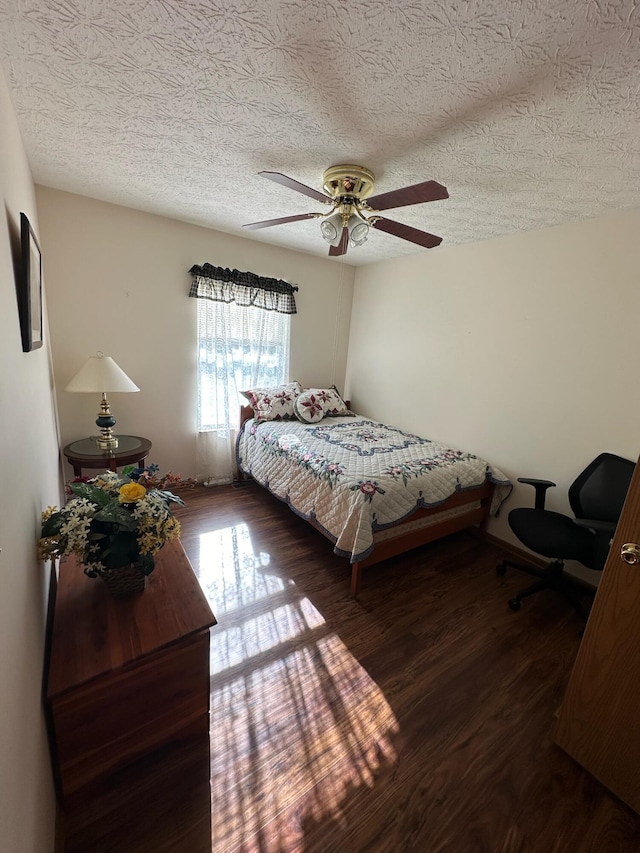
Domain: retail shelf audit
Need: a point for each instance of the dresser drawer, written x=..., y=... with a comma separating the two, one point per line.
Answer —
x=127, y=713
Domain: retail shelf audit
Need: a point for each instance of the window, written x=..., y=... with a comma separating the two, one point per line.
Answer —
x=239, y=347
x=243, y=342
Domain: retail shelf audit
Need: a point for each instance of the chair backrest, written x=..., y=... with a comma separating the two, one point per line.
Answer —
x=599, y=492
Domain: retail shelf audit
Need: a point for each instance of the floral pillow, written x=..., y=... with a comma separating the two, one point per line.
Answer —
x=332, y=402
x=308, y=407
x=273, y=404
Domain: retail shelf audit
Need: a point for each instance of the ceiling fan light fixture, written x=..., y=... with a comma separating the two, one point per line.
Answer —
x=358, y=230
x=331, y=229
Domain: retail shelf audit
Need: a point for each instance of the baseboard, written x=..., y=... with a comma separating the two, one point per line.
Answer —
x=240, y=484
x=517, y=553
x=527, y=557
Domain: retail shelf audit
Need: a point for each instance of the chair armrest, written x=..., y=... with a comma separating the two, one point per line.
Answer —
x=540, y=486
x=595, y=524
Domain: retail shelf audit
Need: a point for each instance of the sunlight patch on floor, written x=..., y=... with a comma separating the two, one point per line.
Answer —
x=295, y=719
x=229, y=570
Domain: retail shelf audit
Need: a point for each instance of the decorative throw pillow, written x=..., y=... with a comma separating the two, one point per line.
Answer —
x=332, y=402
x=308, y=407
x=273, y=404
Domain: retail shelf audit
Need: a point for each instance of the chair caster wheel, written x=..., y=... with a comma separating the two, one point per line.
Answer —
x=514, y=603
x=501, y=569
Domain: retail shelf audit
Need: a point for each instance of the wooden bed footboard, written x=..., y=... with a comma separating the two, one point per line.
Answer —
x=464, y=509
x=473, y=506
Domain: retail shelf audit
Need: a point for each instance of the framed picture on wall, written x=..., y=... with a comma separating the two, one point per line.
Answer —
x=30, y=287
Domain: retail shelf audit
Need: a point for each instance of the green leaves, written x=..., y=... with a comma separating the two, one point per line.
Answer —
x=51, y=527
x=170, y=497
x=91, y=493
x=146, y=563
x=115, y=513
x=120, y=550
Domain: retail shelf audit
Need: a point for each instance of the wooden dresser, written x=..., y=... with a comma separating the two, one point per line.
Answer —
x=128, y=702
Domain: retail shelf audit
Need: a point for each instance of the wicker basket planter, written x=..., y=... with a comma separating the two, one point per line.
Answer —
x=125, y=581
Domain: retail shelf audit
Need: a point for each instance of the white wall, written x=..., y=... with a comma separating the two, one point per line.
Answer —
x=522, y=349
x=118, y=282
x=30, y=482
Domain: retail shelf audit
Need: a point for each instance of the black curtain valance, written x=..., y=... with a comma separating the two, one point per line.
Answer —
x=245, y=288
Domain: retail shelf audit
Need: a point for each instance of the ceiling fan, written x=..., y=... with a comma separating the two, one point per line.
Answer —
x=348, y=190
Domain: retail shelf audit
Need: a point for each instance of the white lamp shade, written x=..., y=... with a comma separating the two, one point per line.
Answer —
x=331, y=229
x=100, y=373
x=358, y=230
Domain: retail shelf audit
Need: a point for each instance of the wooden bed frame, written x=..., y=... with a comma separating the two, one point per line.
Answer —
x=464, y=509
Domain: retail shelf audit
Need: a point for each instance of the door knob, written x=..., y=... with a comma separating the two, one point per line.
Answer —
x=630, y=553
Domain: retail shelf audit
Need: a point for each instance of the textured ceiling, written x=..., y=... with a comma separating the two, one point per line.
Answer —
x=526, y=111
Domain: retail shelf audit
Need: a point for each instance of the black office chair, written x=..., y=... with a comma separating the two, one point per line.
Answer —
x=596, y=498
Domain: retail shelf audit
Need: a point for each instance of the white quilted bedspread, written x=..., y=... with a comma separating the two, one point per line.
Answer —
x=352, y=476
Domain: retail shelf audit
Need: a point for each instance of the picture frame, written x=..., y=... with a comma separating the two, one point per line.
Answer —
x=30, y=289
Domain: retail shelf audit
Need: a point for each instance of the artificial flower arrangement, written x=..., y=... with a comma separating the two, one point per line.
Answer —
x=113, y=523
x=151, y=478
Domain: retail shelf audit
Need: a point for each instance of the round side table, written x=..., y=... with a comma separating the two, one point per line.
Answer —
x=85, y=453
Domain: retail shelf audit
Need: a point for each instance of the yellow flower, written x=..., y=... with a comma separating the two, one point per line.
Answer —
x=48, y=512
x=48, y=549
x=172, y=529
x=131, y=492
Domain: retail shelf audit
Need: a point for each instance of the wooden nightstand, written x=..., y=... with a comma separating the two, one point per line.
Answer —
x=85, y=453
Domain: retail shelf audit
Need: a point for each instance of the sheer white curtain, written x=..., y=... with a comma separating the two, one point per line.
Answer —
x=240, y=346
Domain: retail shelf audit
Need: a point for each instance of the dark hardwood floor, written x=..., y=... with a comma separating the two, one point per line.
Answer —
x=416, y=718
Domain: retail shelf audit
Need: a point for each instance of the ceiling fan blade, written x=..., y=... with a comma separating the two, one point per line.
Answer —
x=422, y=238
x=296, y=185
x=267, y=223
x=341, y=248
x=418, y=193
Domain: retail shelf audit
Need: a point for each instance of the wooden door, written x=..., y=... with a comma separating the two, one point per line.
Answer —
x=599, y=721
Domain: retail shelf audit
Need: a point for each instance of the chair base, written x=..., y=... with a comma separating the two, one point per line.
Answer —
x=550, y=578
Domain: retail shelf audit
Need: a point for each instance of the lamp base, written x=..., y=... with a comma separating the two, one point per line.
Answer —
x=105, y=420
x=109, y=442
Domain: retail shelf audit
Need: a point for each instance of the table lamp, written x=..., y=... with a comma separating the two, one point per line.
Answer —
x=100, y=374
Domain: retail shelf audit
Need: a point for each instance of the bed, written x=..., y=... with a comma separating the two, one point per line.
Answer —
x=373, y=490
